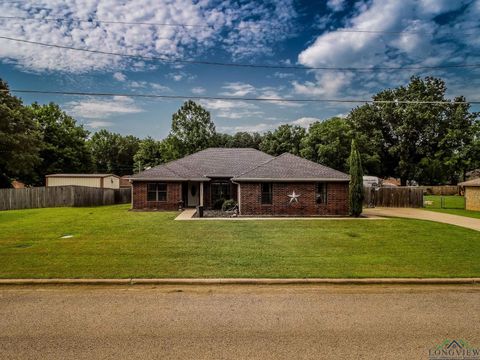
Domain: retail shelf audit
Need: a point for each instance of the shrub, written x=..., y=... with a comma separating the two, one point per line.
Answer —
x=229, y=205
x=356, y=182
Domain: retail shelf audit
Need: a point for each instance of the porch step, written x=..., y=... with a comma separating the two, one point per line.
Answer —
x=186, y=214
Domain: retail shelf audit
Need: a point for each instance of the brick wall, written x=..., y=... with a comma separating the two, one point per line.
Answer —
x=337, y=200
x=139, y=192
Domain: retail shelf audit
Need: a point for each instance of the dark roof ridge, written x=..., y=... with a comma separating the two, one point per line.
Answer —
x=255, y=167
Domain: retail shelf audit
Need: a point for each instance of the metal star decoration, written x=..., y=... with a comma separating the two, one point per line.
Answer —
x=293, y=197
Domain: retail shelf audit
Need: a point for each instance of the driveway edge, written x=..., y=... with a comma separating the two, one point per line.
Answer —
x=243, y=281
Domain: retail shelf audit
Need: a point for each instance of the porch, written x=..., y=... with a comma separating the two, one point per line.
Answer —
x=209, y=194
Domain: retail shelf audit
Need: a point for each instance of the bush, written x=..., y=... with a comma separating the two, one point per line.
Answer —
x=229, y=205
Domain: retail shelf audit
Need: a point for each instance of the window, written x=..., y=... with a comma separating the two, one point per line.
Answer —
x=157, y=192
x=266, y=193
x=321, y=193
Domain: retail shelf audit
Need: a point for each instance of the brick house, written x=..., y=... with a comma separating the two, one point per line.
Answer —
x=262, y=185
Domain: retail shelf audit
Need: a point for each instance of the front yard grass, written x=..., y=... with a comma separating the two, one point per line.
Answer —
x=444, y=202
x=111, y=242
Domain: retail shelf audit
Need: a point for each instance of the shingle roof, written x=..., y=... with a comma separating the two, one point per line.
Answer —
x=242, y=165
x=291, y=167
x=81, y=175
x=211, y=162
x=474, y=182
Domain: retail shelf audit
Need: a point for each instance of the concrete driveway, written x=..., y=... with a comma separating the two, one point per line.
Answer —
x=421, y=214
x=235, y=322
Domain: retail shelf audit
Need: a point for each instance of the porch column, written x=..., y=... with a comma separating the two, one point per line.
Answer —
x=201, y=193
x=238, y=199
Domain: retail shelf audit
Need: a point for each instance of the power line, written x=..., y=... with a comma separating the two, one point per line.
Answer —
x=243, y=65
x=259, y=99
x=400, y=31
x=101, y=21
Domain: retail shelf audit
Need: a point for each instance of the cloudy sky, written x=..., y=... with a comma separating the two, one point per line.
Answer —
x=332, y=33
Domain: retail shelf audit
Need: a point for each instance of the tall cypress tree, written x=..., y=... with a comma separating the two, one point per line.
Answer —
x=356, y=182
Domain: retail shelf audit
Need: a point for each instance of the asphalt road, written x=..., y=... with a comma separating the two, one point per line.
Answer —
x=235, y=322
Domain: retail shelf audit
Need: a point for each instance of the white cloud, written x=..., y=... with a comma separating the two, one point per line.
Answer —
x=232, y=109
x=103, y=108
x=226, y=104
x=181, y=75
x=119, y=76
x=267, y=126
x=99, y=124
x=198, y=90
x=263, y=24
x=282, y=75
x=157, y=86
x=336, y=5
x=269, y=92
x=237, y=89
x=213, y=25
x=327, y=84
x=421, y=41
x=261, y=127
x=146, y=84
x=305, y=121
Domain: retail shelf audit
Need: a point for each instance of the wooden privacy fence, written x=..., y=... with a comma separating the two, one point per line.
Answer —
x=401, y=196
x=55, y=196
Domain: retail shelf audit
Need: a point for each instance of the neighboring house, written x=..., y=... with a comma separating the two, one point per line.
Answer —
x=472, y=194
x=260, y=183
x=18, y=184
x=107, y=181
x=369, y=181
x=374, y=181
x=390, y=182
x=125, y=182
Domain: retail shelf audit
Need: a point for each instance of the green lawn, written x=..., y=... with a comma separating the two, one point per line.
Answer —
x=451, y=205
x=444, y=202
x=111, y=242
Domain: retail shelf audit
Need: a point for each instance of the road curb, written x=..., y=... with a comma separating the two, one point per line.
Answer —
x=243, y=281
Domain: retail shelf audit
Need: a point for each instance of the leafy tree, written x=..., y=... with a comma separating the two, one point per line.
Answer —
x=418, y=135
x=246, y=140
x=171, y=148
x=223, y=140
x=64, y=148
x=356, y=182
x=192, y=130
x=149, y=154
x=240, y=139
x=20, y=138
x=286, y=138
x=328, y=143
x=372, y=140
x=456, y=145
x=113, y=153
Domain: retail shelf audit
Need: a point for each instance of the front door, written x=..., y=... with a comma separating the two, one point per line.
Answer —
x=193, y=197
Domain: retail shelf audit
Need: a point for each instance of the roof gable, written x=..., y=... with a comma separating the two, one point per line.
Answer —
x=474, y=182
x=290, y=167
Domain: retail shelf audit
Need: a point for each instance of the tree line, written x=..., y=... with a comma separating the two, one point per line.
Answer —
x=399, y=135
